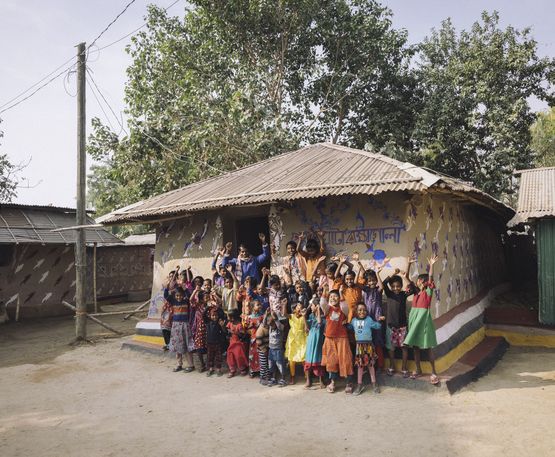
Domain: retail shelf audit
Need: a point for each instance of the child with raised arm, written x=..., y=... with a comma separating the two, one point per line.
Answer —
x=336, y=354
x=313, y=255
x=237, y=351
x=372, y=297
x=396, y=317
x=215, y=340
x=365, y=355
x=422, y=332
x=316, y=324
x=180, y=334
x=294, y=264
x=166, y=315
x=219, y=272
x=351, y=289
x=275, y=350
x=228, y=292
x=253, y=321
x=295, y=346
x=245, y=264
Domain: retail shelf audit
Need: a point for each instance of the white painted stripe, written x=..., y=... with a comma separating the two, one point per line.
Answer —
x=146, y=325
x=454, y=325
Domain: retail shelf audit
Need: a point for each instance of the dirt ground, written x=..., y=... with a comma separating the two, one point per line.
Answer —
x=100, y=400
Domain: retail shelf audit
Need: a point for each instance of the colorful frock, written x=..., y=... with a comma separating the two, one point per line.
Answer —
x=198, y=325
x=295, y=346
x=253, y=321
x=422, y=332
x=314, y=343
x=237, y=350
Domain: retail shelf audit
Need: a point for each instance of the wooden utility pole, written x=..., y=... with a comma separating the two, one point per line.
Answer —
x=80, y=250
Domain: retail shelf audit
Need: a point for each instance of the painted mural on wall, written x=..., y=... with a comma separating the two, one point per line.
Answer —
x=388, y=227
x=190, y=241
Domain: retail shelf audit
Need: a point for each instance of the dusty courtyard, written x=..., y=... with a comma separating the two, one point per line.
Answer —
x=103, y=401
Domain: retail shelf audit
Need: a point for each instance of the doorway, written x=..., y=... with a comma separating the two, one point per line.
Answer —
x=246, y=232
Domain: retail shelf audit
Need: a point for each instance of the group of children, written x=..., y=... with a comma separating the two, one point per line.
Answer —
x=326, y=317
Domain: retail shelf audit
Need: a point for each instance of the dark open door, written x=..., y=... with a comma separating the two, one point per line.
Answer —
x=247, y=231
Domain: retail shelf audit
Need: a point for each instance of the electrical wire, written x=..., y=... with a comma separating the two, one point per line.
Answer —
x=38, y=82
x=111, y=23
x=100, y=104
x=107, y=104
x=16, y=100
x=132, y=32
x=37, y=89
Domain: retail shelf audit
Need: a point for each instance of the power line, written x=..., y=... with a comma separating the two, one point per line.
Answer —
x=38, y=82
x=12, y=103
x=133, y=31
x=37, y=89
x=107, y=104
x=111, y=23
x=100, y=104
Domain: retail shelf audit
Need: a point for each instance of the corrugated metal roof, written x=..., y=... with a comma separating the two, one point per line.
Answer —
x=317, y=170
x=536, y=195
x=34, y=224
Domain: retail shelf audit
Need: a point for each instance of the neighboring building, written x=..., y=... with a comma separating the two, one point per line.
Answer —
x=37, y=265
x=536, y=208
x=124, y=271
x=364, y=202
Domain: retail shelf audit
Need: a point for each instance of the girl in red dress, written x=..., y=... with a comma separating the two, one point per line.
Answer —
x=237, y=351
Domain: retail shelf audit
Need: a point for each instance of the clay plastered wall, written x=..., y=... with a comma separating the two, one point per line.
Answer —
x=41, y=276
x=394, y=226
x=189, y=241
x=470, y=252
x=122, y=269
x=372, y=226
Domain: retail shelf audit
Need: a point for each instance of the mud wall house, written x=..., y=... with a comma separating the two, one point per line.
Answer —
x=37, y=265
x=124, y=271
x=363, y=202
x=536, y=210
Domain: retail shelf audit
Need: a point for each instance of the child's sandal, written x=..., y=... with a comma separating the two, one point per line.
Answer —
x=415, y=375
x=349, y=389
x=177, y=368
x=331, y=388
x=434, y=379
x=405, y=374
x=390, y=372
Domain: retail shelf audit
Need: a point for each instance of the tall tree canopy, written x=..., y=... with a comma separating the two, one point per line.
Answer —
x=236, y=81
x=543, y=138
x=474, y=120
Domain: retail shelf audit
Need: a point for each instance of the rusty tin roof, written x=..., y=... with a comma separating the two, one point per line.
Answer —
x=318, y=170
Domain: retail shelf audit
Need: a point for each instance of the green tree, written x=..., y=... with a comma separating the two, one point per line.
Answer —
x=237, y=81
x=474, y=119
x=543, y=138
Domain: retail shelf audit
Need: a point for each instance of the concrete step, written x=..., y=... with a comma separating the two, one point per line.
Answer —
x=475, y=363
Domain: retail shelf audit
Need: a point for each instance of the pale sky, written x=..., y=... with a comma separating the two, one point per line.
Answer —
x=36, y=36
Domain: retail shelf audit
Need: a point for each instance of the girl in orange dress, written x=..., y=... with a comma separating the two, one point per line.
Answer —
x=336, y=353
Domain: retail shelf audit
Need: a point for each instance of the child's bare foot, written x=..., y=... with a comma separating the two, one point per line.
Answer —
x=331, y=387
x=292, y=380
x=231, y=374
x=349, y=388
